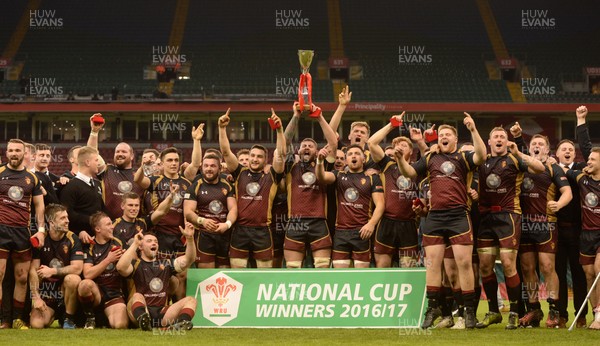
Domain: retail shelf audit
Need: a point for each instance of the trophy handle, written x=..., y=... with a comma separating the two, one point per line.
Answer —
x=306, y=108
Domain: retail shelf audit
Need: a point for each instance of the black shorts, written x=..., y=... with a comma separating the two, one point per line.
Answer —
x=278, y=233
x=307, y=231
x=443, y=227
x=52, y=294
x=348, y=244
x=170, y=245
x=589, y=247
x=110, y=297
x=395, y=235
x=538, y=236
x=213, y=247
x=15, y=241
x=500, y=230
x=156, y=315
x=251, y=239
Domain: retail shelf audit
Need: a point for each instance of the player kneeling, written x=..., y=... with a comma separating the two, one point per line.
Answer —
x=149, y=281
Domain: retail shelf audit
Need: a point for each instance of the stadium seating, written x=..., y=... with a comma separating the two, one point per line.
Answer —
x=102, y=45
x=552, y=52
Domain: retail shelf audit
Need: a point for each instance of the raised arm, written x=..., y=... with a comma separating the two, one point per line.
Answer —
x=344, y=99
x=124, y=266
x=279, y=155
x=331, y=138
x=140, y=178
x=193, y=168
x=291, y=130
x=182, y=263
x=322, y=175
x=377, y=152
x=405, y=169
x=583, y=133
x=534, y=166
x=165, y=205
x=93, y=142
x=480, y=149
x=230, y=159
x=517, y=134
x=417, y=137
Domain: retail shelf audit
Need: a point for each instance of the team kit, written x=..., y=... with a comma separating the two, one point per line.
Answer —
x=109, y=245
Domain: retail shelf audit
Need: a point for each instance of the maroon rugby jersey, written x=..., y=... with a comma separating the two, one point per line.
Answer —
x=500, y=179
x=539, y=189
x=152, y=280
x=17, y=189
x=306, y=196
x=399, y=191
x=160, y=189
x=449, y=177
x=115, y=183
x=255, y=193
x=354, y=199
x=589, y=197
x=110, y=279
x=211, y=199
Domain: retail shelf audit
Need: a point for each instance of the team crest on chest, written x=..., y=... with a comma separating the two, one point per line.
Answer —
x=27, y=181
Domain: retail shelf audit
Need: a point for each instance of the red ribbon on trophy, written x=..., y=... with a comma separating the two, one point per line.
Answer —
x=305, y=85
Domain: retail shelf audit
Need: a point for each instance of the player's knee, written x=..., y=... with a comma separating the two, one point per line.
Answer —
x=322, y=262
x=138, y=297
x=85, y=287
x=361, y=264
x=72, y=281
x=264, y=264
x=120, y=323
x=344, y=263
x=238, y=262
x=36, y=322
x=294, y=264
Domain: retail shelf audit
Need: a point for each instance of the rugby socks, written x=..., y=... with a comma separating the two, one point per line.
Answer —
x=87, y=303
x=138, y=309
x=18, y=309
x=551, y=303
x=460, y=301
x=490, y=285
x=446, y=301
x=477, y=297
x=513, y=288
x=186, y=314
x=433, y=296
